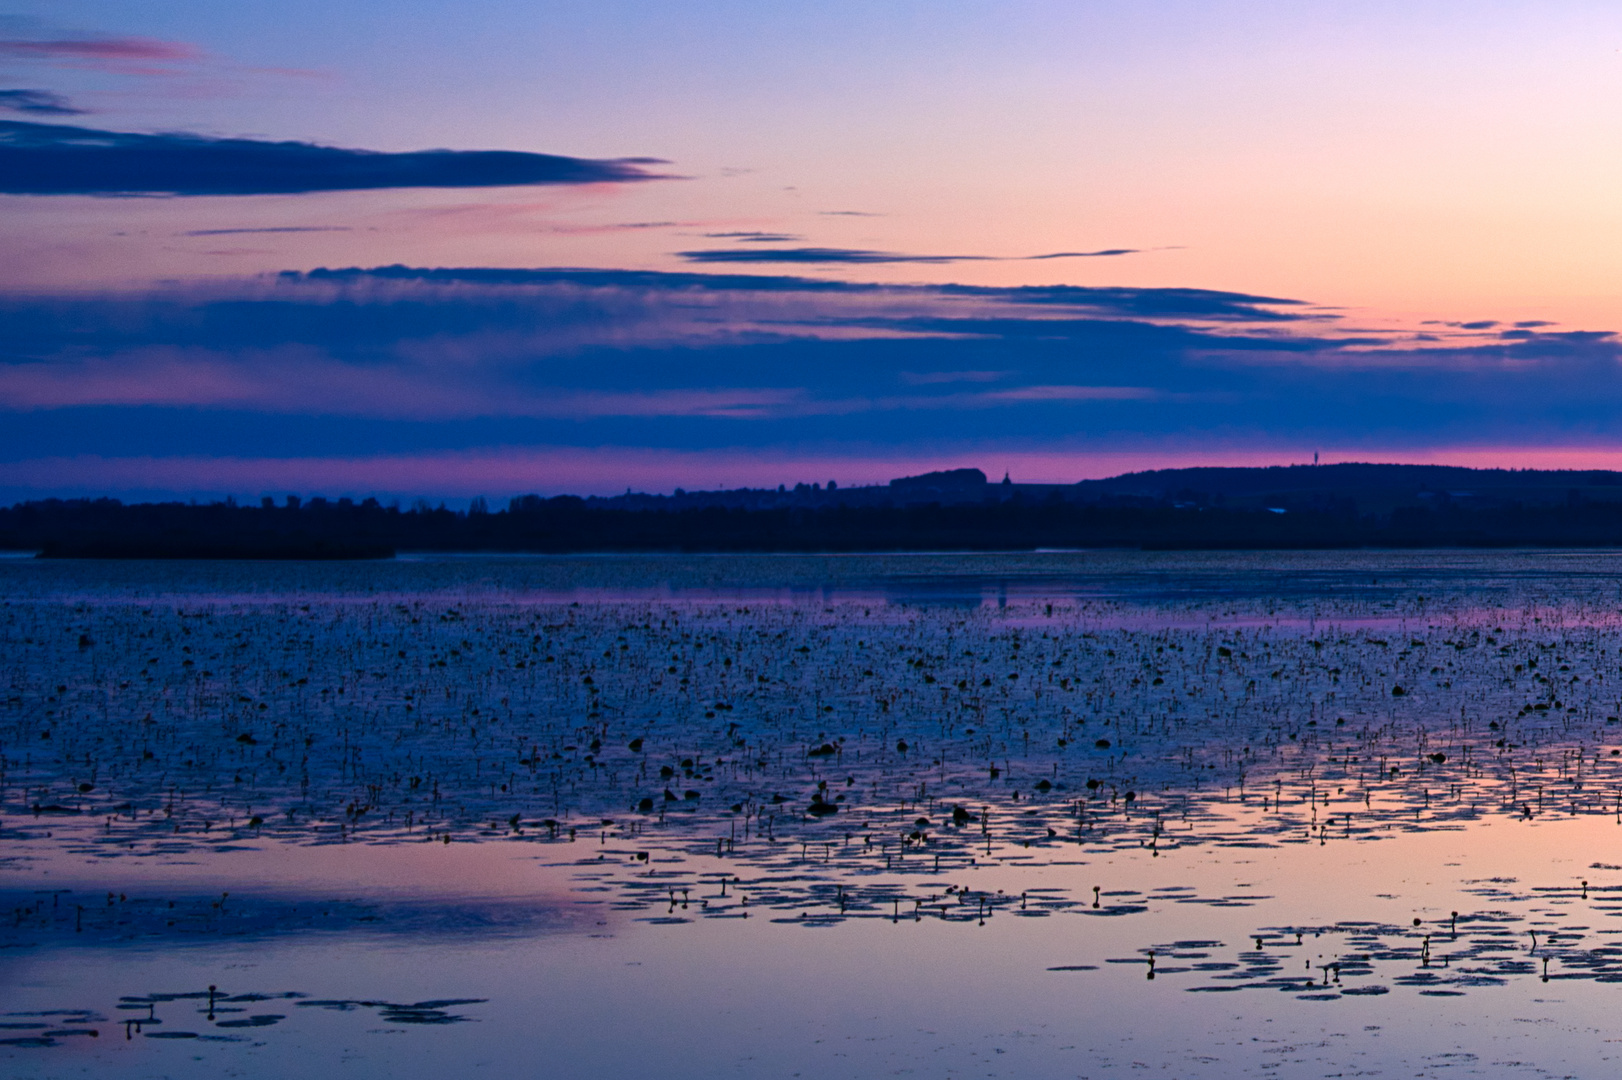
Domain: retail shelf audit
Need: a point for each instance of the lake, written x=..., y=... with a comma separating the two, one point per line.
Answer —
x=1055, y=814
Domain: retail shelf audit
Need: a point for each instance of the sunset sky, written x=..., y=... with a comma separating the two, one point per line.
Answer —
x=760, y=243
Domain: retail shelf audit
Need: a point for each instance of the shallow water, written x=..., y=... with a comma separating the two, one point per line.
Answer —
x=1027, y=815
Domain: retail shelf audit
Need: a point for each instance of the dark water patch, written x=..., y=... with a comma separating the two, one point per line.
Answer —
x=64, y=918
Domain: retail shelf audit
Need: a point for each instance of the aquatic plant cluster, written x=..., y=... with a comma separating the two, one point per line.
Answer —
x=428, y=721
x=901, y=731
x=1521, y=935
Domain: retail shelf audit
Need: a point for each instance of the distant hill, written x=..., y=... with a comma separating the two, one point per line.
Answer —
x=1373, y=488
x=1365, y=488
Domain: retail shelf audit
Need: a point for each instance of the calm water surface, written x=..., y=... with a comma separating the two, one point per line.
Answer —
x=1067, y=814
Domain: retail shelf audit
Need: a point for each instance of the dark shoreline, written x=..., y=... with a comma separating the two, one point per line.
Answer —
x=207, y=533
x=1298, y=508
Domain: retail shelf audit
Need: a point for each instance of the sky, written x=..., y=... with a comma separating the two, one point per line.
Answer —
x=431, y=249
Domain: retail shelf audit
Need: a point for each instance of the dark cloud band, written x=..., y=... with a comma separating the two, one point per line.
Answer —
x=813, y=255
x=38, y=102
x=55, y=159
x=453, y=363
x=272, y=229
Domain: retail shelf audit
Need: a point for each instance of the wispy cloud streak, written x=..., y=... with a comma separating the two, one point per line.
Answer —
x=861, y=257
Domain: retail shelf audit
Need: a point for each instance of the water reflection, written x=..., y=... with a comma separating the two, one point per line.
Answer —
x=961, y=745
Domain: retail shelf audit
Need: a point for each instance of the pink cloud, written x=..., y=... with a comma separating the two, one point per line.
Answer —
x=1074, y=393
x=294, y=380
x=128, y=48
x=938, y=378
x=120, y=55
x=200, y=73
